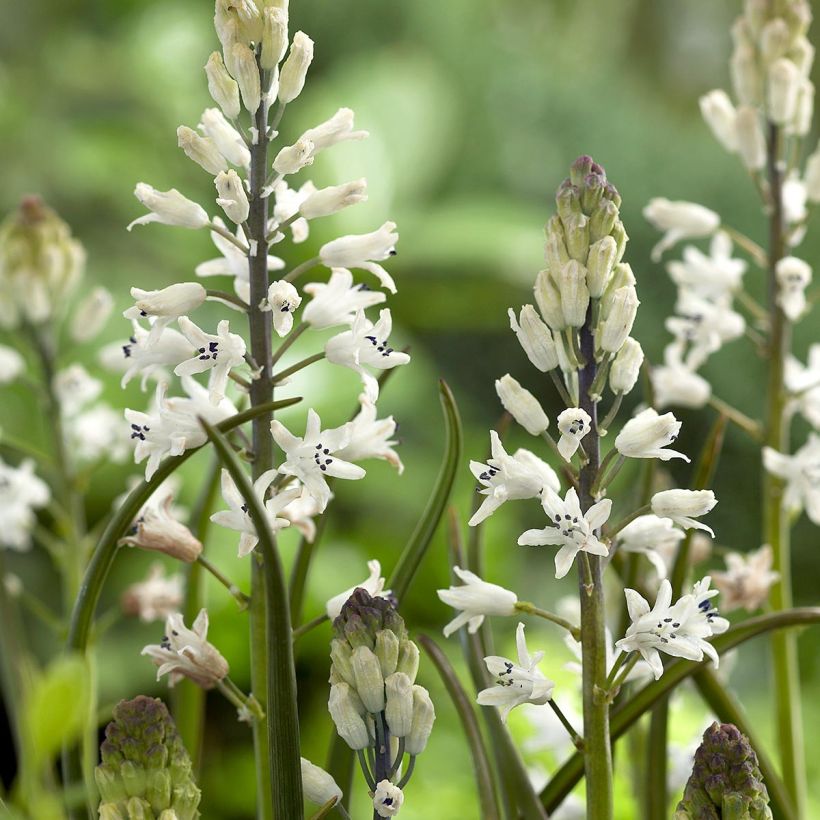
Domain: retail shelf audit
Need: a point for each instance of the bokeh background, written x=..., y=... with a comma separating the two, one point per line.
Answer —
x=476, y=109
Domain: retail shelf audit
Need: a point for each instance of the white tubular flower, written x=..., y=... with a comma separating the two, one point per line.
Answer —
x=12, y=364
x=424, y=714
x=719, y=114
x=714, y=277
x=292, y=158
x=548, y=299
x=812, y=179
x=679, y=630
x=295, y=68
x=677, y=384
x=219, y=354
x=648, y=434
x=751, y=141
x=226, y=138
x=679, y=220
x=793, y=276
x=186, y=653
x=571, y=282
x=794, y=197
x=521, y=405
x=364, y=251
x=232, y=197
x=516, y=683
x=535, y=338
x=327, y=201
x=509, y=477
x=684, y=506
x=313, y=457
x=347, y=712
x=801, y=472
x=371, y=437
x=91, y=315
x=201, y=150
x=21, y=492
x=626, y=367
x=387, y=799
x=237, y=516
x=221, y=86
x=804, y=111
x=283, y=300
x=237, y=19
x=398, y=710
x=169, y=208
x=338, y=128
x=319, y=787
x=246, y=72
x=287, y=203
x=622, y=309
x=165, y=305
x=274, y=36
x=339, y=301
x=747, y=580
x=300, y=513
x=137, y=356
x=476, y=599
x=569, y=528
x=155, y=598
x=366, y=345
x=784, y=81
x=373, y=584
x=653, y=537
x=573, y=424
x=803, y=384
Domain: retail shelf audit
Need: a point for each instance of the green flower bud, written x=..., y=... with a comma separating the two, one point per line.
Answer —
x=567, y=201
x=274, y=37
x=600, y=262
x=340, y=653
x=408, y=659
x=424, y=714
x=369, y=680
x=581, y=169
x=387, y=651
x=602, y=220
x=612, y=332
x=347, y=710
x=399, y=704
x=574, y=293
x=549, y=300
x=593, y=191
x=577, y=232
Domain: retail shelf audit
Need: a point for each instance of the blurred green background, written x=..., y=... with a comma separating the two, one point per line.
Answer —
x=476, y=109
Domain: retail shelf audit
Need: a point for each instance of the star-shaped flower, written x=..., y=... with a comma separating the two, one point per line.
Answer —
x=339, y=301
x=476, y=599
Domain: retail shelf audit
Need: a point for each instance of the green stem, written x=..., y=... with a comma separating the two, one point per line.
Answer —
x=734, y=415
x=286, y=344
x=531, y=609
x=603, y=427
x=657, y=795
x=577, y=740
x=307, y=627
x=561, y=388
x=226, y=582
x=629, y=519
x=300, y=269
x=300, y=365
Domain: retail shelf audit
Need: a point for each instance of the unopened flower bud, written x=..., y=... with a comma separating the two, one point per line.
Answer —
x=232, y=197
x=340, y=658
x=535, y=338
x=576, y=230
x=521, y=405
x=592, y=192
x=169, y=208
x=804, y=110
x=549, y=300
x=774, y=40
x=408, y=659
x=580, y=169
x=226, y=138
x=619, y=235
x=555, y=249
x=387, y=799
x=612, y=332
x=600, y=262
x=813, y=176
x=91, y=315
x=369, y=680
x=201, y=150
x=424, y=714
x=387, y=651
x=802, y=55
x=399, y=704
x=567, y=201
x=157, y=530
x=751, y=142
x=327, y=201
x=223, y=89
x=602, y=220
x=684, y=506
x=647, y=436
x=178, y=299
x=319, y=787
x=572, y=286
x=719, y=114
x=347, y=710
x=245, y=17
x=292, y=158
x=783, y=84
x=746, y=76
x=247, y=75
x=294, y=70
x=274, y=37
x=625, y=369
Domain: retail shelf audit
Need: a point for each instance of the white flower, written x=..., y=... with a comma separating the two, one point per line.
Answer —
x=155, y=598
x=12, y=364
x=74, y=388
x=784, y=82
x=232, y=197
x=283, y=300
x=97, y=433
x=318, y=785
x=186, y=653
x=653, y=537
x=803, y=383
x=475, y=599
x=244, y=68
x=684, y=506
x=620, y=312
x=91, y=315
x=373, y=584
x=165, y=305
x=364, y=251
x=626, y=367
x=647, y=436
x=313, y=457
x=751, y=141
x=535, y=338
x=169, y=208
x=294, y=70
x=137, y=357
x=21, y=492
x=287, y=203
x=677, y=384
x=679, y=630
x=509, y=477
x=679, y=220
x=292, y=158
x=801, y=472
x=747, y=579
x=221, y=86
x=370, y=437
x=387, y=799
x=704, y=325
x=712, y=277
x=202, y=150
x=719, y=114
x=573, y=424
x=366, y=345
x=516, y=683
x=569, y=528
x=217, y=353
x=337, y=129
x=812, y=179
x=339, y=301
x=794, y=195
x=327, y=201
x=227, y=139
x=793, y=276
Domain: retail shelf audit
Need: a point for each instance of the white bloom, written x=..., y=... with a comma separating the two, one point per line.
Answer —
x=653, y=537
x=719, y=114
x=647, y=436
x=274, y=36
x=91, y=315
x=225, y=137
x=521, y=405
x=751, y=141
x=202, y=150
x=366, y=345
x=711, y=277
x=287, y=203
x=475, y=599
x=313, y=457
x=626, y=367
x=97, y=433
x=327, y=201
x=318, y=785
x=571, y=281
x=244, y=68
x=238, y=518
x=337, y=129
x=373, y=584
x=137, y=356
x=283, y=300
x=221, y=86
x=301, y=512
x=516, y=683
x=292, y=158
x=793, y=276
x=747, y=580
x=801, y=472
x=155, y=598
x=165, y=305
x=677, y=384
x=294, y=70
x=704, y=325
x=569, y=528
x=684, y=506
x=339, y=301
x=186, y=653
x=509, y=477
x=616, y=325
x=784, y=83
x=370, y=437
x=387, y=799
x=679, y=630
x=679, y=220
x=794, y=196
x=573, y=424
x=74, y=388
x=803, y=383
x=21, y=492
x=364, y=251
x=812, y=179
x=232, y=197
x=169, y=208
x=12, y=364
x=217, y=353
x=535, y=338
